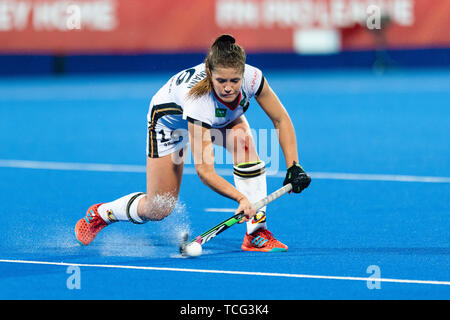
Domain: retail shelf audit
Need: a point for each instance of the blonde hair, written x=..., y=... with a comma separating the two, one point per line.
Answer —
x=225, y=53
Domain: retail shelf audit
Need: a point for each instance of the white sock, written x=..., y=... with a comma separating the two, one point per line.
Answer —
x=122, y=209
x=250, y=179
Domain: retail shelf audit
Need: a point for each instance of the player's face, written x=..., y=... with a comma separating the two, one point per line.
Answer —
x=227, y=83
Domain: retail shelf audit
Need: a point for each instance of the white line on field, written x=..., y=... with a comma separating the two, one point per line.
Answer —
x=71, y=166
x=101, y=167
x=220, y=210
x=246, y=273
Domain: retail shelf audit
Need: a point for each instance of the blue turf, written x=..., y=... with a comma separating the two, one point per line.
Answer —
x=350, y=122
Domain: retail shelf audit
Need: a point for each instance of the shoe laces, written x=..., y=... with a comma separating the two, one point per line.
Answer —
x=263, y=237
x=266, y=234
x=93, y=219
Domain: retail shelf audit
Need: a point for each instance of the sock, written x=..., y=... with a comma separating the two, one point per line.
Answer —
x=250, y=179
x=122, y=209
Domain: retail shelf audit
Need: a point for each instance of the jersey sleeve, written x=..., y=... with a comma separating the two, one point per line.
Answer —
x=198, y=111
x=253, y=80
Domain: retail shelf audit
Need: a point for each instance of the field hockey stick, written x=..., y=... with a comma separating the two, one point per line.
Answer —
x=221, y=227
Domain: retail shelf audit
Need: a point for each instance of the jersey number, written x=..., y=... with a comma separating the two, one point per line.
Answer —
x=163, y=139
x=175, y=135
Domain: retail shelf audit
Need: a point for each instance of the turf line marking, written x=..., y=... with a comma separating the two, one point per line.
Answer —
x=246, y=273
x=99, y=167
x=71, y=166
x=220, y=210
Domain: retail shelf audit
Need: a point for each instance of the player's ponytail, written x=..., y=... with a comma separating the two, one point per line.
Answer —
x=224, y=53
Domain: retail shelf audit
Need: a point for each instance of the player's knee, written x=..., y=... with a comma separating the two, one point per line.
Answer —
x=244, y=149
x=158, y=207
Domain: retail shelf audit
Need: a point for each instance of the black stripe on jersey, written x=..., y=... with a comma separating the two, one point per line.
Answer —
x=260, y=87
x=195, y=121
x=158, y=111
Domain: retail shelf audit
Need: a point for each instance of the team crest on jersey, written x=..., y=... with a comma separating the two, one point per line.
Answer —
x=221, y=113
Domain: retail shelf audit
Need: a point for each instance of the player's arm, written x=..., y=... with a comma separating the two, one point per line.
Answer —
x=203, y=154
x=273, y=107
x=275, y=110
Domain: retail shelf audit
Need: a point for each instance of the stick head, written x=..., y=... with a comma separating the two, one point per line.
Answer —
x=183, y=242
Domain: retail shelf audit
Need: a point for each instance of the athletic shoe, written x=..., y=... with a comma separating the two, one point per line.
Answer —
x=262, y=240
x=87, y=228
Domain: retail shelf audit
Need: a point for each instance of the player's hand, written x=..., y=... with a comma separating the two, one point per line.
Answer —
x=297, y=177
x=247, y=208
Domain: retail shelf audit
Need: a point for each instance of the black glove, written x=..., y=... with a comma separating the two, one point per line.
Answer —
x=297, y=177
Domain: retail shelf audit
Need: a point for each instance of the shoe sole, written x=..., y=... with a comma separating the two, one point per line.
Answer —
x=76, y=238
x=263, y=250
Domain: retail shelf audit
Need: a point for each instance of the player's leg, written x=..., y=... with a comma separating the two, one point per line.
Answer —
x=250, y=179
x=165, y=161
x=238, y=140
x=249, y=170
x=163, y=184
x=164, y=177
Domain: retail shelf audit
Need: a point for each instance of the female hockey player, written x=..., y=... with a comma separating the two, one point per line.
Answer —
x=205, y=105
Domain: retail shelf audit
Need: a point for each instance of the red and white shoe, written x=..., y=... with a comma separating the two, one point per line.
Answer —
x=262, y=240
x=88, y=227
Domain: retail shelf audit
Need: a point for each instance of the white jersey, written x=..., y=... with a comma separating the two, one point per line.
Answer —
x=171, y=108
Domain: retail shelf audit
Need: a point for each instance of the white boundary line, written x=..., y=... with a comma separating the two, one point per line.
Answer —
x=220, y=210
x=100, y=167
x=246, y=273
